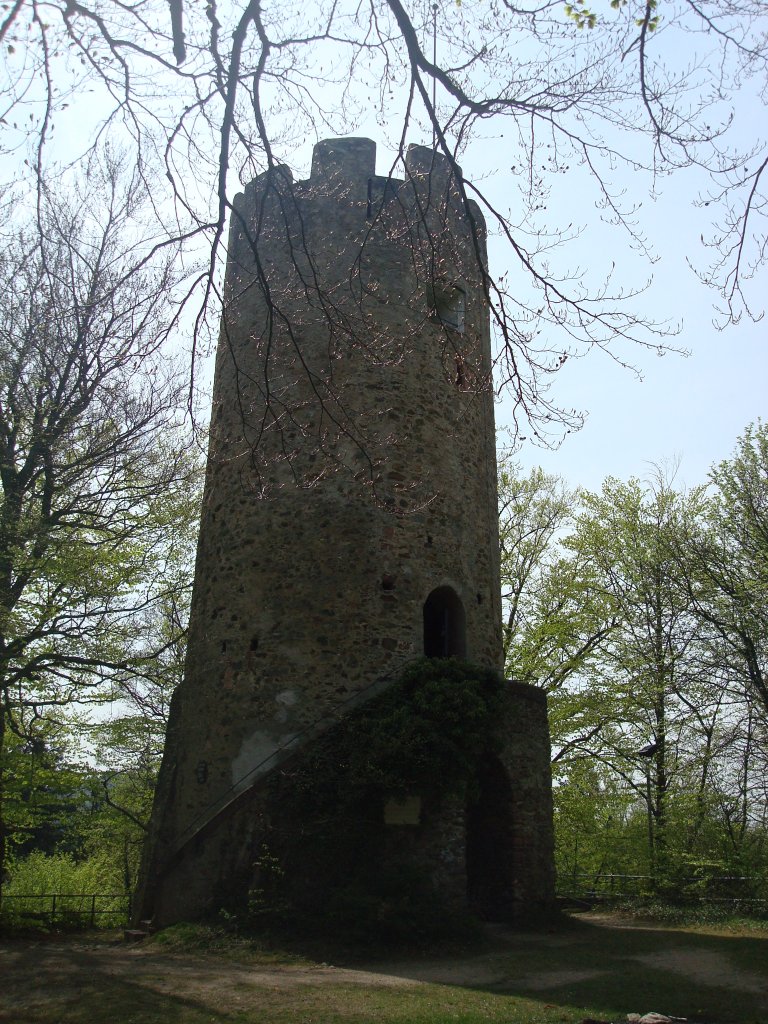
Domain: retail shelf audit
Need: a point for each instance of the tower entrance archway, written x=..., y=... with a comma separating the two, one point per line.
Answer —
x=490, y=842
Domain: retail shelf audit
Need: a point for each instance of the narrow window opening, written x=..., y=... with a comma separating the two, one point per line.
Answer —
x=444, y=625
x=449, y=306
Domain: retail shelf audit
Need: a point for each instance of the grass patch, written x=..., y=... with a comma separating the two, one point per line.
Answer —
x=313, y=1005
x=220, y=941
x=712, y=915
x=588, y=968
x=702, y=976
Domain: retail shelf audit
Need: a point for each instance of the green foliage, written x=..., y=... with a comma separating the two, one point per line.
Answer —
x=424, y=735
x=98, y=481
x=597, y=828
x=35, y=880
x=641, y=610
x=553, y=614
x=662, y=693
x=582, y=17
x=580, y=14
x=40, y=873
x=723, y=915
x=114, y=828
x=44, y=792
x=731, y=551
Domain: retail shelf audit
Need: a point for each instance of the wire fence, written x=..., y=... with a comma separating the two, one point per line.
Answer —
x=113, y=910
x=724, y=889
x=71, y=910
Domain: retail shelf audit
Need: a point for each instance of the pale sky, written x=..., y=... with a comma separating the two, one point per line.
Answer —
x=687, y=409
x=691, y=409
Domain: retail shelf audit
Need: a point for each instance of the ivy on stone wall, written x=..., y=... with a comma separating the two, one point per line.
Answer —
x=325, y=862
x=423, y=735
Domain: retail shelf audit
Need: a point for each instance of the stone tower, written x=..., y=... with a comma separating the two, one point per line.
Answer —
x=349, y=524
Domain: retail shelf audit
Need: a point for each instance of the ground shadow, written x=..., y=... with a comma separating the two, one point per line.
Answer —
x=591, y=967
x=46, y=981
x=615, y=966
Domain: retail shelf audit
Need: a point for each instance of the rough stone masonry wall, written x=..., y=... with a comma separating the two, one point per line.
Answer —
x=351, y=472
x=526, y=757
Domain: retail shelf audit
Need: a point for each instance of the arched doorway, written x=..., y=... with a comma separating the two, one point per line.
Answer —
x=445, y=627
x=490, y=843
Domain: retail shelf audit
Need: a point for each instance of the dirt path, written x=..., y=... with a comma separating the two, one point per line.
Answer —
x=497, y=969
x=37, y=977
x=34, y=973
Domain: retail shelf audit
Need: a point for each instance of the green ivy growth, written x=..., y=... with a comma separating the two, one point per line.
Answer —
x=322, y=868
x=424, y=734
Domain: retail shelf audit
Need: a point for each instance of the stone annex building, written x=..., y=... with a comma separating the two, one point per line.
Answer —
x=349, y=527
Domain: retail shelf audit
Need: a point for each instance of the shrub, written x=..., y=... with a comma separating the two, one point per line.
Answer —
x=34, y=880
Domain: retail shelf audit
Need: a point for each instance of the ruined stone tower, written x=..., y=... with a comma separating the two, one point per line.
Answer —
x=349, y=527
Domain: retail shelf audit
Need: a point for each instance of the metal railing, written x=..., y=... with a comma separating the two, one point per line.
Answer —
x=92, y=910
x=696, y=888
x=588, y=884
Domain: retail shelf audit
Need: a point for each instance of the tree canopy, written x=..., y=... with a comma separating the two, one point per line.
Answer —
x=659, y=721
x=97, y=471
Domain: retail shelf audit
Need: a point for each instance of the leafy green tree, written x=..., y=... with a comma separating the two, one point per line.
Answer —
x=558, y=619
x=95, y=465
x=731, y=553
x=658, y=742
x=597, y=826
x=44, y=792
x=127, y=746
x=724, y=559
x=533, y=511
x=655, y=653
x=554, y=621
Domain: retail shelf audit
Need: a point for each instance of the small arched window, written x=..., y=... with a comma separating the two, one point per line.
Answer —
x=445, y=628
